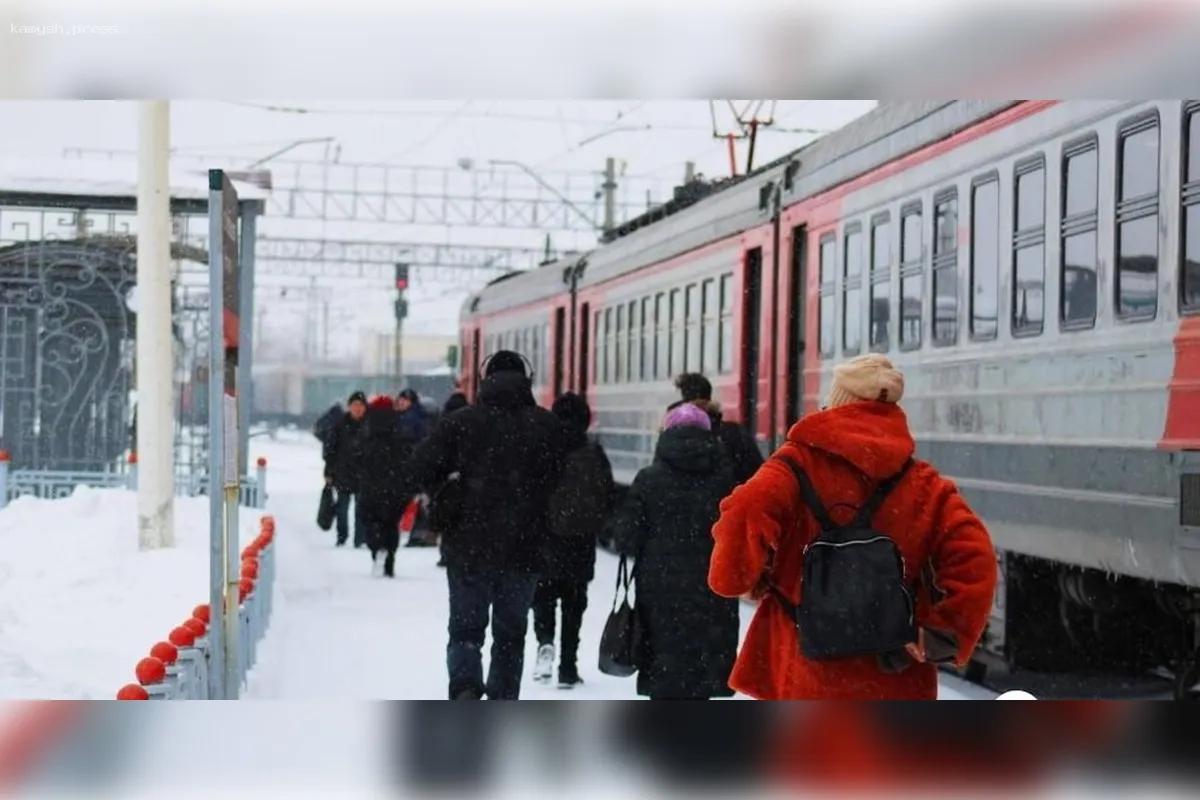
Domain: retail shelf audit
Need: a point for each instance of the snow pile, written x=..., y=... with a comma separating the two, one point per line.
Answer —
x=79, y=603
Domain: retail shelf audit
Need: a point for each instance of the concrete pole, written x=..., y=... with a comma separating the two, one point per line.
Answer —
x=155, y=425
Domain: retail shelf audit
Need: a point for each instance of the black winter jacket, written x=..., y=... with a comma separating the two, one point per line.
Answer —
x=666, y=524
x=342, y=451
x=740, y=448
x=579, y=509
x=508, y=453
x=385, y=452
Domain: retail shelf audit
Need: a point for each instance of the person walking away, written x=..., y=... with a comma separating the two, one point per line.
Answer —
x=508, y=453
x=690, y=635
x=847, y=475
x=578, y=511
x=740, y=447
x=342, y=449
x=441, y=504
x=414, y=423
x=383, y=492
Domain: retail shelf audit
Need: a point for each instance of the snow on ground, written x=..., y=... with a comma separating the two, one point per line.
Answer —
x=339, y=634
x=80, y=605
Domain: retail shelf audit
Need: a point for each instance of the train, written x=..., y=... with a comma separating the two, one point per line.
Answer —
x=1031, y=268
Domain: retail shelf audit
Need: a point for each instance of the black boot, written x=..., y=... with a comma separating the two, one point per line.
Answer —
x=568, y=675
x=389, y=564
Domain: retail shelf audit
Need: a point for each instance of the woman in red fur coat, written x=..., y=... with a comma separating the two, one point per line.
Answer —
x=859, y=440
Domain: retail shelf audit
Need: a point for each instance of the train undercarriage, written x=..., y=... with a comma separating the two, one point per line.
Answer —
x=1058, y=621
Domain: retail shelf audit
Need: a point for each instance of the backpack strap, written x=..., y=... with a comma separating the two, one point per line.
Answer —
x=810, y=496
x=868, y=509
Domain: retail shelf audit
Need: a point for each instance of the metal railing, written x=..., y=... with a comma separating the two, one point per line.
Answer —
x=53, y=484
x=178, y=667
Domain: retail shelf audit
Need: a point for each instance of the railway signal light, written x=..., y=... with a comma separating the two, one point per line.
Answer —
x=401, y=289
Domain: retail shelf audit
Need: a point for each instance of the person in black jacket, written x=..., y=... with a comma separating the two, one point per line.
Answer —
x=578, y=510
x=690, y=634
x=383, y=492
x=415, y=423
x=454, y=402
x=342, y=449
x=740, y=447
x=508, y=454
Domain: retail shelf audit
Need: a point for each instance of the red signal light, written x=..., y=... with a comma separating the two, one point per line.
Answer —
x=402, y=285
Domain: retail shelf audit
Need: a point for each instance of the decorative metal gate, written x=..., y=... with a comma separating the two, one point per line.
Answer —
x=67, y=338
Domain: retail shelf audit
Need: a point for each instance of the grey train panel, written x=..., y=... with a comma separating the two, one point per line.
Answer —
x=542, y=283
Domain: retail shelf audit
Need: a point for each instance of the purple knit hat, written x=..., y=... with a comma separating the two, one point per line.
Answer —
x=688, y=416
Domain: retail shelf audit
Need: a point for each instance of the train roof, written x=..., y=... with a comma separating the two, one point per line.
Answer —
x=705, y=212
x=524, y=286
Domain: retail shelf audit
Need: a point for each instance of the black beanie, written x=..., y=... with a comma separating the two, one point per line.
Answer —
x=504, y=361
x=573, y=411
x=358, y=397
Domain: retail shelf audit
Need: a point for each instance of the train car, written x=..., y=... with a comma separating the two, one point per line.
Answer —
x=1030, y=268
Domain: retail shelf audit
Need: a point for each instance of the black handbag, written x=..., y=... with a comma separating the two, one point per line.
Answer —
x=621, y=641
x=326, y=510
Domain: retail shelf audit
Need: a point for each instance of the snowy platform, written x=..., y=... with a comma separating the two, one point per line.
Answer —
x=79, y=603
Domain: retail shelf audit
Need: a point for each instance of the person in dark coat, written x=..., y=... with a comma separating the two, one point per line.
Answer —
x=578, y=510
x=508, y=454
x=454, y=402
x=414, y=423
x=383, y=492
x=740, y=447
x=342, y=449
x=665, y=523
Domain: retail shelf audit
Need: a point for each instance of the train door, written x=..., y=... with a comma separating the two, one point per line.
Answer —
x=585, y=343
x=795, y=305
x=751, y=326
x=560, y=317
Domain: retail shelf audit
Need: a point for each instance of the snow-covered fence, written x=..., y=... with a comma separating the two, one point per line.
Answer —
x=178, y=668
x=49, y=484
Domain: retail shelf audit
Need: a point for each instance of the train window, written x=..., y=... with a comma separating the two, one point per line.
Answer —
x=912, y=275
x=619, y=338
x=709, y=341
x=691, y=362
x=533, y=355
x=1077, y=281
x=826, y=340
x=633, y=336
x=597, y=348
x=852, y=256
x=1136, y=287
x=945, y=268
x=546, y=353
x=1029, y=248
x=660, y=343
x=609, y=345
x=881, y=284
x=676, y=340
x=725, y=365
x=985, y=257
x=645, y=368
x=1189, y=262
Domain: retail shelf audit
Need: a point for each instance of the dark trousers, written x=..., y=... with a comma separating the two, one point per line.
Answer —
x=341, y=510
x=508, y=597
x=382, y=529
x=574, y=597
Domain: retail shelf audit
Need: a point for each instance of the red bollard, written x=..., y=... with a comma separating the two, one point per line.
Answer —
x=152, y=673
x=168, y=654
x=197, y=627
x=202, y=613
x=132, y=691
x=250, y=568
x=182, y=637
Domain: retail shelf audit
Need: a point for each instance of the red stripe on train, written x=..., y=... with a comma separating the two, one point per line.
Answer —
x=1182, y=428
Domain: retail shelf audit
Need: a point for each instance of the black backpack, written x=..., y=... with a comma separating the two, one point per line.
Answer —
x=854, y=599
x=580, y=503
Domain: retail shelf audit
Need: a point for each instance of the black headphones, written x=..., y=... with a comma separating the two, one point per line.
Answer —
x=528, y=365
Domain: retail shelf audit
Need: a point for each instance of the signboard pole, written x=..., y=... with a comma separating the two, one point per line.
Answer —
x=216, y=447
x=224, y=431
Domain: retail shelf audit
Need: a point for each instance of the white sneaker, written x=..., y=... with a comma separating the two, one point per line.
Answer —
x=377, y=564
x=544, y=668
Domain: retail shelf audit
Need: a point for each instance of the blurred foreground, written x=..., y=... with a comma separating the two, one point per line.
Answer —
x=398, y=749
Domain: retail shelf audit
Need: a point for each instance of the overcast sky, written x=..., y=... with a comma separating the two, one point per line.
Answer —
x=653, y=138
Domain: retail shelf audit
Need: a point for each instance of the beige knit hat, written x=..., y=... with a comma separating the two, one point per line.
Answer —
x=866, y=377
